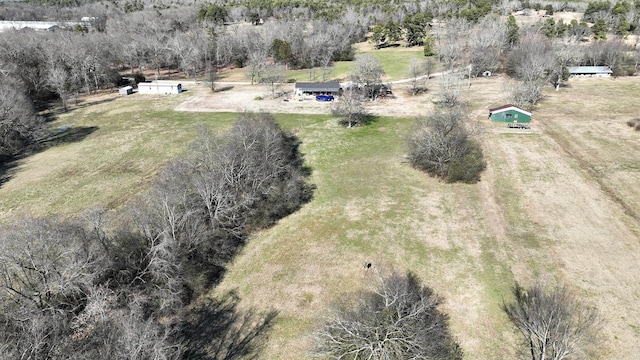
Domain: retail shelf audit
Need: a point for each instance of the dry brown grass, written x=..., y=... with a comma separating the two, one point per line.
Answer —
x=558, y=203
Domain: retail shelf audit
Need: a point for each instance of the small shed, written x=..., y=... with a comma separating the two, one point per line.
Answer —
x=159, y=87
x=317, y=88
x=127, y=90
x=590, y=71
x=509, y=114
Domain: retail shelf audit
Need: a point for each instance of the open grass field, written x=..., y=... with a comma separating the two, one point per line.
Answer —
x=108, y=149
x=559, y=202
x=394, y=60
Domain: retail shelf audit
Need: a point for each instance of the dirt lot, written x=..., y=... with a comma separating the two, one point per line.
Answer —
x=239, y=97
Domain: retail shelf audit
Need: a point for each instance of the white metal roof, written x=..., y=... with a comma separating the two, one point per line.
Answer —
x=589, y=70
x=508, y=107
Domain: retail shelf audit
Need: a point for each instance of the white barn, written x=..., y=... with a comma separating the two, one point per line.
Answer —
x=159, y=87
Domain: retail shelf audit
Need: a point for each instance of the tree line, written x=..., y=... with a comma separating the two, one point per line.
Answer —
x=201, y=39
x=43, y=66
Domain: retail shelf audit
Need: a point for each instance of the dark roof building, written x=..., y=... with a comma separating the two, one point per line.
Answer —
x=590, y=71
x=317, y=88
x=509, y=113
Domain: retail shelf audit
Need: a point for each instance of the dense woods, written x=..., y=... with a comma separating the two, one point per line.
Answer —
x=98, y=287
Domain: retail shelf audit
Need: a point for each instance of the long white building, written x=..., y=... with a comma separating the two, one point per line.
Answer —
x=159, y=87
x=38, y=25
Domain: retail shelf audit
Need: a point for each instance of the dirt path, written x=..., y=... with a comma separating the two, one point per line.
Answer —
x=570, y=209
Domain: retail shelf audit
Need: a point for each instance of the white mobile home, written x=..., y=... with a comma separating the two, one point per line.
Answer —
x=159, y=87
x=590, y=71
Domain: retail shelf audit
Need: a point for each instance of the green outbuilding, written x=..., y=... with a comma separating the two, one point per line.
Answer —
x=509, y=114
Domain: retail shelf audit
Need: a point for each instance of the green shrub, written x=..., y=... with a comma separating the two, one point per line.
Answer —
x=139, y=77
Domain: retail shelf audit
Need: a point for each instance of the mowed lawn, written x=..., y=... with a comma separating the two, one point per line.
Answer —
x=557, y=203
x=394, y=61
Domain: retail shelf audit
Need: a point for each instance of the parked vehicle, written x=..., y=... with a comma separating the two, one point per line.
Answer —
x=325, y=98
x=517, y=126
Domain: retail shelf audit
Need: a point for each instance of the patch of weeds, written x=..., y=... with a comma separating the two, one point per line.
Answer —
x=306, y=298
x=527, y=239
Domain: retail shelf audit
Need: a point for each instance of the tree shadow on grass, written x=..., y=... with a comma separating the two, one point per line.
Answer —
x=84, y=103
x=363, y=120
x=7, y=170
x=62, y=135
x=223, y=88
x=369, y=119
x=217, y=329
x=51, y=109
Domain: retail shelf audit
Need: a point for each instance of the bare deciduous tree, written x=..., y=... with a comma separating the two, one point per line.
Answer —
x=47, y=264
x=350, y=107
x=47, y=269
x=273, y=76
x=565, y=55
x=105, y=330
x=367, y=72
x=418, y=73
x=526, y=93
x=19, y=125
x=256, y=65
x=489, y=37
x=57, y=80
x=189, y=48
x=451, y=86
x=204, y=203
x=398, y=319
x=533, y=57
x=613, y=52
x=452, y=38
x=530, y=63
x=554, y=324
